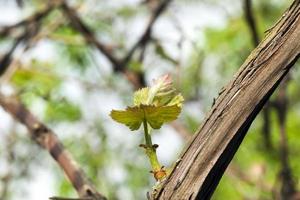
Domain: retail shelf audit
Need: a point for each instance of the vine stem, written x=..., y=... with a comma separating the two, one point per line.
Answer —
x=151, y=152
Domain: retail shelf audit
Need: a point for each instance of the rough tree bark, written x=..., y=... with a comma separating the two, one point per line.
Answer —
x=251, y=22
x=212, y=148
x=210, y=151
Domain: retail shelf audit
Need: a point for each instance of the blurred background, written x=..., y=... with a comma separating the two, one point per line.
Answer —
x=71, y=76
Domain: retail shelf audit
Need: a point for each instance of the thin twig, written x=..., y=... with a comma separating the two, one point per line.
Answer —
x=286, y=175
x=146, y=36
x=31, y=27
x=33, y=19
x=251, y=21
x=64, y=198
x=136, y=78
x=119, y=65
x=31, y=31
x=89, y=35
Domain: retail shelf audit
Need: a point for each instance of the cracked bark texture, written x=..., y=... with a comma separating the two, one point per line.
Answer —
x=212, y=148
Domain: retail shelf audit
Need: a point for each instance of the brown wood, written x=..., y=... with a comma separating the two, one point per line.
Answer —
x=47, y=139
x=212, y=148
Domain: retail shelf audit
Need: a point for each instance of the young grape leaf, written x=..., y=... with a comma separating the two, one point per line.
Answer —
x=155, y=116
x=131, y=117
x=177, y=100
x=141, y=96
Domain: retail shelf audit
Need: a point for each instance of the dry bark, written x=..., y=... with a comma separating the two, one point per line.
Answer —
x=251, y=22
x=212, y=148
x=47, y=139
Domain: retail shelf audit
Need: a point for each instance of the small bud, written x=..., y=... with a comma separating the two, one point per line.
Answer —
x=143, y=146
x=160, y=174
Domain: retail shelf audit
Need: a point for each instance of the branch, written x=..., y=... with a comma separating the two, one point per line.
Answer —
x=31, y=26
x=48, y=140
x=144, y=39
x=39, y=132
x=212, y=148
x=135, y=78
x=146, y=36
x=119, y=65
x=288, y=184
x=266, y=129
x=31, y=31
x=20, y=3
x=89, y=35
x=7, y=58
x=33, y=19
x=251, y=21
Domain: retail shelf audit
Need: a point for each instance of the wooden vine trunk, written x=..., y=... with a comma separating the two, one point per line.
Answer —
x=212, y=148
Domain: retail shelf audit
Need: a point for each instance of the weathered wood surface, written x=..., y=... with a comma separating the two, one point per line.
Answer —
x=212, y=148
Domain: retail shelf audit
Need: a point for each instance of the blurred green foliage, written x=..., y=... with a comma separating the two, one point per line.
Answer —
x=62, y=110
x=36, y=81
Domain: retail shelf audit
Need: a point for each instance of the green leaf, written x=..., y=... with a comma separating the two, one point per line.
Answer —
x=155, y=116
x=131, y=117
x=141, y=96
x=177, y=100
